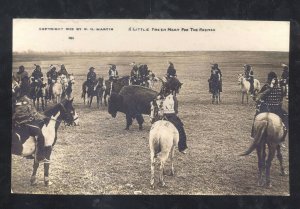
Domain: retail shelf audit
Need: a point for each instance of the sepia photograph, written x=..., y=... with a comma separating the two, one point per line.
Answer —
x=150, y=107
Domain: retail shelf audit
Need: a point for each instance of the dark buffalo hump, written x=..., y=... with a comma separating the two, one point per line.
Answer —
x=138, y=98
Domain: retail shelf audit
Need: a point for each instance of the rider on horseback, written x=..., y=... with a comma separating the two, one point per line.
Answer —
x=63, y=71
x=215, y=75
x=26, y=116
x=171, y=72
x=36, y=78
x=91, y=77
x=134, y=74
x=168, y=107
x=249, y=75
x=284, y=80
x=52, y=78
x=269, y=99
x=112, y=73
x=22, y=77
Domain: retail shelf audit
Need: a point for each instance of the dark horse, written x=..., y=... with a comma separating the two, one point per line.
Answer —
x=115, y=86
x=71, y=81
x=38, y=92
x=214, y=88
x=172, y=85
x=96, y=90
x=268, y=131
x=23, y=144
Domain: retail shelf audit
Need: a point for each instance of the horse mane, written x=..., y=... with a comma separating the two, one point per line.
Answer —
x=51, y=111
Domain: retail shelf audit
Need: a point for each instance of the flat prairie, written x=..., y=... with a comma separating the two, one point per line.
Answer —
x=100, y=157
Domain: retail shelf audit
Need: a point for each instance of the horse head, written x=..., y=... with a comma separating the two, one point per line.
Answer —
x=71, y=79
x=240, y=79
x=68, y=112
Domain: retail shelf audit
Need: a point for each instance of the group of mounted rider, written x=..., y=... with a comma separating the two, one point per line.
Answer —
x=268, y=99
x=26, y=117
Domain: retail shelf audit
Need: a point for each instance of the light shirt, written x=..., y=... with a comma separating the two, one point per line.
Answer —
x=168, y=105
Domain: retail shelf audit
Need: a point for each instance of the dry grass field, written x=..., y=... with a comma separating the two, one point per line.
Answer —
x=100, y=157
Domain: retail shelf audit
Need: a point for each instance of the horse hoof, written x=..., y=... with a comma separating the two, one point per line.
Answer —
x=283, y=173
x=163, y=184
x=33, y=182
x=269, y=185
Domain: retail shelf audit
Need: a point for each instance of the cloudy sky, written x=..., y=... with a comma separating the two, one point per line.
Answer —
x=46, y=35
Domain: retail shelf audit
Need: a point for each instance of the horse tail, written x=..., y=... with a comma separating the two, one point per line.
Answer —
x=259, y=134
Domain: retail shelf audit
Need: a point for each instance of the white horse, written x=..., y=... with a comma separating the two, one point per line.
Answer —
x=59, y=88
x=245, y=86
x=163, y=138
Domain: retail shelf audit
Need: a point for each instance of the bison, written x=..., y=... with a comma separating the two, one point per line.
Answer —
x=133, y=101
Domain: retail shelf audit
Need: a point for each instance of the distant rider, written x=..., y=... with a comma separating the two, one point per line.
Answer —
x=135, y=74
x=63, y=71
x=284, y=80
x=91, y=77
x=22, y=78
x=215, y=75
x=171, y=71
x=113, y=73
x=52, y=78
x=249, y=75
x=37, y=78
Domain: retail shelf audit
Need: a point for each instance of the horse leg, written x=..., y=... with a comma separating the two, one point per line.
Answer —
x=91, y=100
x=261, y=160
x=152, y=167
x=271, y=154
x=37, y=103
x=163, y=158
x=48, y=151
x=43, y=103
x=280, y=158
x=98, y=106
x=33, y=181
x=172, y=162
x=105, y=102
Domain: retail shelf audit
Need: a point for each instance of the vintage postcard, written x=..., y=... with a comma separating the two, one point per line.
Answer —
x=150, y=107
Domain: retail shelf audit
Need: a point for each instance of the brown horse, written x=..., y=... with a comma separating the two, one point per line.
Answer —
x=268, y=130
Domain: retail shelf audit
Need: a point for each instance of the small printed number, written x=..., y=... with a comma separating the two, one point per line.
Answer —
x=71, y=37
